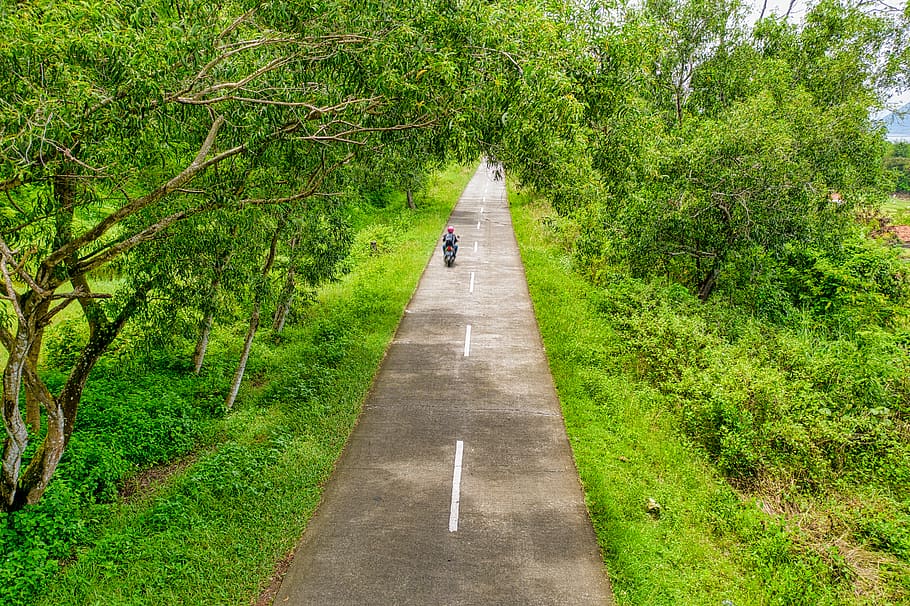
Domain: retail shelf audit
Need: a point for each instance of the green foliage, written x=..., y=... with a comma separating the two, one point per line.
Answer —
x=719, y=146
x=764, y=400
x=800, y=421
x=885, y=531
x=132, y=416
x=791, y=578
x=219, y=526
x=897, y=160
x=199, y=154
x=862, y=281
x=64, y=344
x=94, y=469
x=154, y=420
x=34, y=543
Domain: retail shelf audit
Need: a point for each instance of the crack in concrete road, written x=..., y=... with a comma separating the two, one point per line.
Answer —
x=388, y=530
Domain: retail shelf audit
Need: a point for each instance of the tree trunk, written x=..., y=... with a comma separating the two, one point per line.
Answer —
x=287, y=299
x=16, y=430
x=202, y=344
x=287, y=291
x=706, y=286
x=32, y=401
x=61, y=413
x=678, y=98
x=410, y=196
x=254, y=321
x=244, y=356
x=281, y=315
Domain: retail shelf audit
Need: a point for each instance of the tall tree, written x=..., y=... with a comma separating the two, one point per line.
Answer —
x=122, y=119
x=761, y=131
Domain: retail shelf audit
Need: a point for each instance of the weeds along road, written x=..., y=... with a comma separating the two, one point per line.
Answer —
x=457, y=485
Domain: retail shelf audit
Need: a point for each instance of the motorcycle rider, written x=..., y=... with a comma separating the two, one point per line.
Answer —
x=450, y=238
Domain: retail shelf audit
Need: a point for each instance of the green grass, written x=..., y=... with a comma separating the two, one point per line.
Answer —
x=627, y=451
x=897, y=205
x=213, y=532
x=710, y=544
x=898, y=208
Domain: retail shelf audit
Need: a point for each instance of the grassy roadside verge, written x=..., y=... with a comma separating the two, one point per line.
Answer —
x=213, y=532
x=627, y=451
x=622, y=356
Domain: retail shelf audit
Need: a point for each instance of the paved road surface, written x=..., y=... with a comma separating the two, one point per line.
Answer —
x=457, y=485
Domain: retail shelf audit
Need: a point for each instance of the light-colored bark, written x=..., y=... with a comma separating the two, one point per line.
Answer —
x=32, y=399
x=287, y=297
x=254, y=322
x=16, y=431
x=202, y=344
x=244, y=357
x=281, y=315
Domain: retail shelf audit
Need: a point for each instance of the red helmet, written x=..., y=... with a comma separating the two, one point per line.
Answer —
x=450, y=229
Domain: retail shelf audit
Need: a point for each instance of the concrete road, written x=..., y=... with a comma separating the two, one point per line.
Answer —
x=457, y=485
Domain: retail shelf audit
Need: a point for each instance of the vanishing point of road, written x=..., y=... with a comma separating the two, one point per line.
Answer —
x=458, y=485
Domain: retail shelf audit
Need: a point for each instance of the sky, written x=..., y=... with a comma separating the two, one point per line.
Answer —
x=778, y=7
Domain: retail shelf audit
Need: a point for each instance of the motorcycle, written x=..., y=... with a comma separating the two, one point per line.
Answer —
x=449, y=255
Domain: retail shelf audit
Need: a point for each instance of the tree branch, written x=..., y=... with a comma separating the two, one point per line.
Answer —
x=196, y=166
x=315, y=181
x=9, y=257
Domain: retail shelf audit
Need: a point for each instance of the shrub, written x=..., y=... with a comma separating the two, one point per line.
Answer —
x=64, y=343
x=764, y=399
x=34, y=541
x=93, y=469
x=863, y=282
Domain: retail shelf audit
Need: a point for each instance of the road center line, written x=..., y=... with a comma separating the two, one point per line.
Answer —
x=471, y=290
x=456, y=487
x=475, y=246
x=467, y=341
x=478, y=225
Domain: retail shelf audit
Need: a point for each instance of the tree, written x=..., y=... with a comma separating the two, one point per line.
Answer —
x=762, y=131
x=120, y=120
x=693, y=32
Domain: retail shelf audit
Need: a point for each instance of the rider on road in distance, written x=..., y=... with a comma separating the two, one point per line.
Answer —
x=450, y=238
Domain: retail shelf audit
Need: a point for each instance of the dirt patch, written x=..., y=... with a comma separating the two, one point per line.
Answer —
x=267, y=596
x=146, y=481
x=902, y=232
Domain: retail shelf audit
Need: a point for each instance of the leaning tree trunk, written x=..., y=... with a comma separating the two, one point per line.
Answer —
x=244, y=357
x=16, y=491
x=16, y=431
x=254, y=322
x=202, y=344
x=281, y=314
x=287, y=292
x=706, y=286
x=205, y=333
x=410, y=196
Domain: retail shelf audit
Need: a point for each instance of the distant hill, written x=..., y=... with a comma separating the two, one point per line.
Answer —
x=897, y=123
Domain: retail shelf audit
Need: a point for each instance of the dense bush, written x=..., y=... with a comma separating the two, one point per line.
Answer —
x=821, y=398
x=801, y=419
x=35, y=541
x=132, y=416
